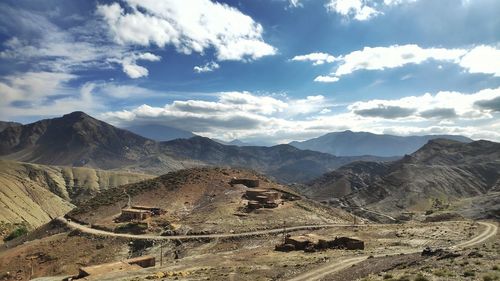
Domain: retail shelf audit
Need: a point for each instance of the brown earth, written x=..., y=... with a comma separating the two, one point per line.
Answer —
x=203, y=200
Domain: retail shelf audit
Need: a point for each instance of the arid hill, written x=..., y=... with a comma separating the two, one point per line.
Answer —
x=442, y=175
x=203, y=200
x=33, y=194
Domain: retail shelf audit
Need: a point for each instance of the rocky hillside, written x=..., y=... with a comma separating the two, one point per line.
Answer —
x=4, y=125
x=350, y=143
x=202, y=199
x=34, y=194
x=75, y=139
x=283, y=162
x=436, y=177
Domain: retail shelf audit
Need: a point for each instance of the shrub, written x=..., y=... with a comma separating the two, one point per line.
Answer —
x=18, y=232
x=469, y=273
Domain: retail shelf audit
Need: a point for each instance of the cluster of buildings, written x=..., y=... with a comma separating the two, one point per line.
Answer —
x=262, y=198
x=258, y=197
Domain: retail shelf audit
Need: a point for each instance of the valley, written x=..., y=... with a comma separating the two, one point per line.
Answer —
x=257, y=140
x=196, y=209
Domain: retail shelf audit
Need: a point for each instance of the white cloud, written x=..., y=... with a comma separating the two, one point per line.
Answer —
x=43, y=94
x=235, y=111
x=295, y=3
x=356, y=9
x=32, y=86
x=361, y=10
x=482, y=59
x=380, y=58
x=208, y=67
x=72, y=49
x=190, y=26
x=416, y=108
x=326, y=79
x=133, y=70
x=316, y=58
x=479, y=59
x=280, y=119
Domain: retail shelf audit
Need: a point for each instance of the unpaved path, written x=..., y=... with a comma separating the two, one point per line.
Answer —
x=322, y=271
x=97, y=232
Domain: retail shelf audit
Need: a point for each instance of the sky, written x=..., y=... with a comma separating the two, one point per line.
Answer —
x=262, y=71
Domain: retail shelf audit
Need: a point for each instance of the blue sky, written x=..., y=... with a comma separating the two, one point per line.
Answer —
x=264, y=71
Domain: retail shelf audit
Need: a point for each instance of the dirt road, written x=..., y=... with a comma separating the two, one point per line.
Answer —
x=321, y=272
x=97, y=232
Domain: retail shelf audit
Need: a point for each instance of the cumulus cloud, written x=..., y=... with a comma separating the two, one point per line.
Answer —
x=465, y=106
x=189, y=26
x=316, y=58
x=442, y=113
x=208, y=67
x=361, y=10
x=280, y=119
x=482, y=59
x=356, y=9
x=133, y=70
x=240, y=112
x=385, y=111
x=490, y=104
x=479, y=59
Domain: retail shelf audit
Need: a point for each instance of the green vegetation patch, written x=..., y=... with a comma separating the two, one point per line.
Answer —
x=18, y=232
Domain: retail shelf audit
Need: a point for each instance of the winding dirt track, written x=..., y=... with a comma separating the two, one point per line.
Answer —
x=312, y=275
x=97, y=232
x=321, y=272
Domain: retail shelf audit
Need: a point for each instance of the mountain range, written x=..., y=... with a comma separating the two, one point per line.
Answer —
x=350, y=143
x=443, y=174
x=77, y=139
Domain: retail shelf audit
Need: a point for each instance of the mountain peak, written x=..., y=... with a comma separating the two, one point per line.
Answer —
x=76, y=114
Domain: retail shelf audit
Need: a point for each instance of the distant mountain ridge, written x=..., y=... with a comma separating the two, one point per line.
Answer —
x=77, y=139
x=236, y=142
x=443, y=170
x=6, y=124
x=159, y=132
x=350, y=143
x=284, y=162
